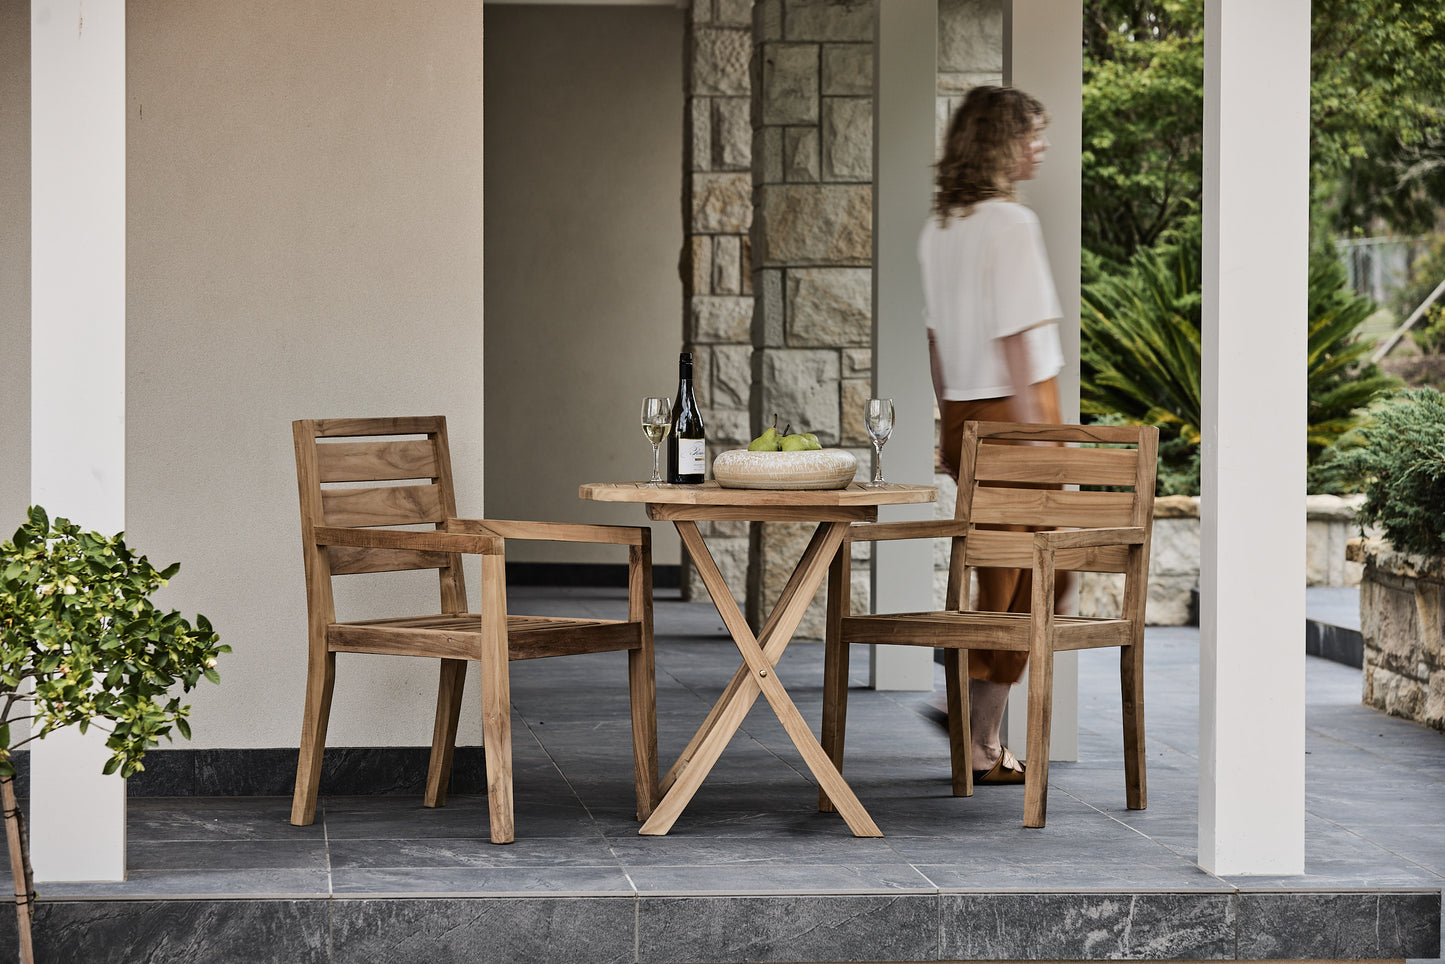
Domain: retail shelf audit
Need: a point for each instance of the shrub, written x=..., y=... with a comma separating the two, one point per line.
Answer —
x=1398, y=458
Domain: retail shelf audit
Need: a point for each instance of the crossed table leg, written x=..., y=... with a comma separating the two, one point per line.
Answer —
x=756, y=675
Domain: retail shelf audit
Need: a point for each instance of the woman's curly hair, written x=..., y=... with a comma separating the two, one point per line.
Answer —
x=986, y=138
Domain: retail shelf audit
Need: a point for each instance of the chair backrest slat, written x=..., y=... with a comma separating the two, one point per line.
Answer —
x=1073, y=434
x=346, y=560
x=1051, y=507
x=1053, y=465
x=390, y=505
x=363, y=427
x=377, y=461
x=1015, y=550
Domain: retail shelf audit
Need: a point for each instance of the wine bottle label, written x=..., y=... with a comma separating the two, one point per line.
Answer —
x=691, y=456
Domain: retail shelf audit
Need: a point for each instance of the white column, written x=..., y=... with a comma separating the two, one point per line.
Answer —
x=1044, y=56
x=903, y=106
x=77, y=374
x=1256, y=243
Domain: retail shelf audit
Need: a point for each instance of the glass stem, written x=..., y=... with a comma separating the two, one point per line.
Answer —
x=656, y=477
x=878, y=462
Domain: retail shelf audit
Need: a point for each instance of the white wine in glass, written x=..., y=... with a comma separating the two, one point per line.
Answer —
x=656, y=420
x=878, y=417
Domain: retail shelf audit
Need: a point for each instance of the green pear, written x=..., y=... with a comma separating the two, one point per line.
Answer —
x=813, y=444
x=768, y=441
x=794, y=443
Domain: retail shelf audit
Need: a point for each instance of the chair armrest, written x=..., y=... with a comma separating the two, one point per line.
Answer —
x=922, y=529
x=550, y=531
x=475, y=544
x=1090, y=538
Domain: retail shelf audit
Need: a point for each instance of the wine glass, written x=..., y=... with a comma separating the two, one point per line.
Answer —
x=656, y=420
x=878, y=416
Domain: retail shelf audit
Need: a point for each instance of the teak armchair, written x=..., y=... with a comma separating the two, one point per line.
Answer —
x=1004, y=481
x=409, y=463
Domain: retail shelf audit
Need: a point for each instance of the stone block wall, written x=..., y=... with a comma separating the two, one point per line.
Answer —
x=716, y=262
x=970, y=52
x=813, y=251
x=1401, y=600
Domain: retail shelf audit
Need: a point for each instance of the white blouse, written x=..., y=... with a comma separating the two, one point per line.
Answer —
x=985, y=277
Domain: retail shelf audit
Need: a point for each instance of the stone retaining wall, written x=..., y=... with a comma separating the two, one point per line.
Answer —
x=1401, y=598
x=1174, y=556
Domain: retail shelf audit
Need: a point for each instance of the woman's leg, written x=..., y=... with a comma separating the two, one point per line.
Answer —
x=992, y=672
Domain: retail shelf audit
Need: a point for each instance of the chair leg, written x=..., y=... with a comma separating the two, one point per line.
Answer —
x=1041, y=707
x=835, y=666
x=1131, y=679
x=444, y=731
x=496, y=699
x=960, y=737
x=320, y=680
x=642, y=687
x=642, y=677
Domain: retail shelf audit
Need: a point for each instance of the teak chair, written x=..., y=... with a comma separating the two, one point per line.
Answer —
x=1004, y=483
x=340, y=535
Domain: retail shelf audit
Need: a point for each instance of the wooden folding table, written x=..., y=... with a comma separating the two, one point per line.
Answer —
x=833, y=510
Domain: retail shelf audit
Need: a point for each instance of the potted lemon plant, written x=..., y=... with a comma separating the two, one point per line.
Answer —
x=81, y=644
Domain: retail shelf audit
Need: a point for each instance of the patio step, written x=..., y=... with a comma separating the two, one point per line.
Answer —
x=1332, y=624
x=895, y=926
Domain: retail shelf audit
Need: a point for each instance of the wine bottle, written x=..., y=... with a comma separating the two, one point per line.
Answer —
x=687, y=440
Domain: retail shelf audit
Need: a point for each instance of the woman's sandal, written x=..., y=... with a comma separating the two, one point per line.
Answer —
x=1008, y=770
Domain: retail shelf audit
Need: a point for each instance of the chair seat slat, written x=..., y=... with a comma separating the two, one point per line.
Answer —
x=986, y=630
x=390, y=505
x=459, y=636
x=377, y=461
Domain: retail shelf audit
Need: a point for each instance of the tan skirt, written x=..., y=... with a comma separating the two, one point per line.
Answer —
x=999, y=590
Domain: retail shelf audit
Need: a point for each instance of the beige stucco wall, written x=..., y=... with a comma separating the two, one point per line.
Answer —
x=583, y=228
x=304, y=239
x=14, y=264
x=305, y=211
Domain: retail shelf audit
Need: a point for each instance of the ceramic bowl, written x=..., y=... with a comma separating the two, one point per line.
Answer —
x=818, y=469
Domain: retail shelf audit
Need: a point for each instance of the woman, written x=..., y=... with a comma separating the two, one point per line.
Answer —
x=993, y=342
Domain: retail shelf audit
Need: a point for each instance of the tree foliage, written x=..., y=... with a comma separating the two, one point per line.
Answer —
x=1377, y=113
x=1377, y=106
x=1143, y=136
x=81, y=642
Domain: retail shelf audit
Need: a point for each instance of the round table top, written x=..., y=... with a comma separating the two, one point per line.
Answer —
x=711, y=493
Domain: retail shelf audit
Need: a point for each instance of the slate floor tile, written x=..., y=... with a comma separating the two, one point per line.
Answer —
x=442, y=852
